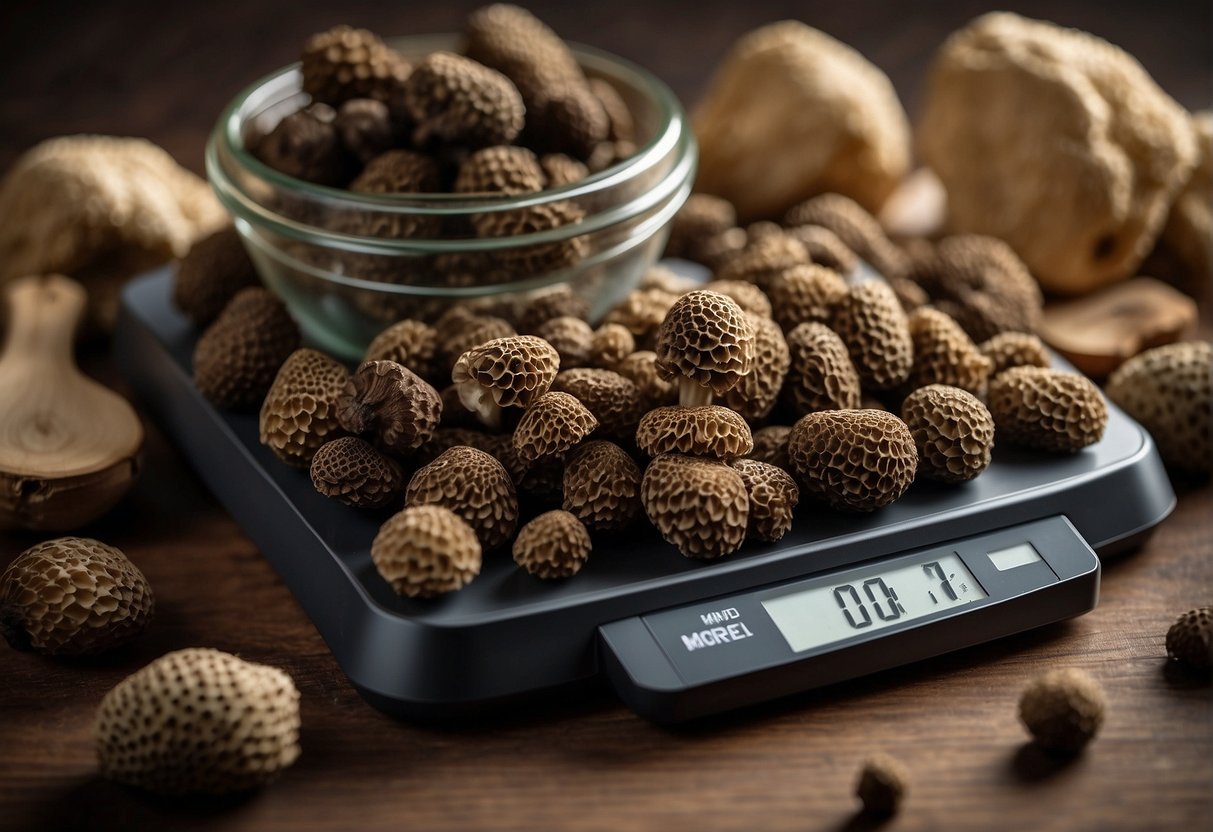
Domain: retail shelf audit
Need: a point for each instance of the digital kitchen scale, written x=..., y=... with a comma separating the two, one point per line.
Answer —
x=840, y=596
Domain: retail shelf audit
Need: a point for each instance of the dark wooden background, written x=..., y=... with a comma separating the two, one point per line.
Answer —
x=163, y=70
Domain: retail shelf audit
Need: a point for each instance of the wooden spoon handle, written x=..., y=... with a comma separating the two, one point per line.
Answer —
x=43, y=315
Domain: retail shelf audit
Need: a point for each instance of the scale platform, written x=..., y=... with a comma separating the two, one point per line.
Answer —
x=677, y=638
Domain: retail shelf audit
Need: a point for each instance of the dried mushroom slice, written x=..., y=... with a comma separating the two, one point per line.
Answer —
x=871, y=322
x=1049, y=410
x=504, y=372
x=353, y=472
x=854, y=460
x=237, y=357
x=755, y=396
x=425, y=551
x=773, y=497
x=554, y=545
x=705, y=430
x=602, y=486
x=475, y=486
x=73, y=596
x=855, y=227
x=466, y=333
x=554, y=423
x=944, y=354
x=299, y=413
x=455, y=100
x=698, y=505
x=705, y=343
x=615, y=401
x=953, y=432
x=391, y=402
x=1014, y=349
x=820, y=373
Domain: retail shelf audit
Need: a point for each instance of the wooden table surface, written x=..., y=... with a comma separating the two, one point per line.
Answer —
x=164, y=71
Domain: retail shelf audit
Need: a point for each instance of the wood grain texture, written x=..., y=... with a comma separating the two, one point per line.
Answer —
x=163, y=71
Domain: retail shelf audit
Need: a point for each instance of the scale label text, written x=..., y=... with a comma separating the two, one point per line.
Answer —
x=716, y=635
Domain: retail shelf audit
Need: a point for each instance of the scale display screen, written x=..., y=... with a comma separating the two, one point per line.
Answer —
x=829, y=613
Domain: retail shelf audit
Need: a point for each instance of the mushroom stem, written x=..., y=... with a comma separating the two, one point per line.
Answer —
x=691, y=394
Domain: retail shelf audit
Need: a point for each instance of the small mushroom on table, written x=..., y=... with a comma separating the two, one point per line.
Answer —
x=705, y=343
x=698, y=505
x=504, y=372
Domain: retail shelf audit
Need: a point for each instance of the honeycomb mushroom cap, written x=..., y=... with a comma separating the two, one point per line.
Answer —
x=806, y=293
x=455, y=100
x=238, y=356
x=199, y=721
x=73, y=596
x=748, y=296
x=554, y=423
x=871, y=322
x=771, y=446
x=1169, y=390
x=705, y=341
x=825, y=248
x=299, y=413
x=426, y=550
x=1063, y=709
x=773, y=497
x=615, y=401
x=953, y=432
x=762, y=258
x=538, y=258
x=572, y=337
x=610, y=344
x=352, y=471
x=475, y=486
x=1014, y=349
x=468, y=333
x=641, y=369
x=820, y=373
x=700, y=218
x=395, y=172
x=505, y=372
x=503, y=169
x=344, y=63
x=602, y=486
x=1049, y=410
x=944, y=354
x=411, y=343
x=1112, y=149
x=560, y=169
x=209, y=276
x=882, y=785
x=757, y=393
x=855, y=460
x=1190, y=639
x=698, y=505
x=850, y=135
x=705, y=430
x=641, y=313
x=553, y=545
x=569, y=119
x=855, y=227
x=545, y=304
x=392, y=403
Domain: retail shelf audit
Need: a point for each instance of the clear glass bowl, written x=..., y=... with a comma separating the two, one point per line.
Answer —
x=345, y=286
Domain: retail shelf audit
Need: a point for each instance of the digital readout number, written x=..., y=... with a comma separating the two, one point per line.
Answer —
x=883, y=598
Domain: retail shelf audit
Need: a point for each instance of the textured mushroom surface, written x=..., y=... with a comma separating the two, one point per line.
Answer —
x=850, y=133
x=571, y=337
x=944, y=354
x=953, y=432
x=305, y=146
x=773, y=496
x=756, y=394
x=1187, y=235
x=411, y=343
x=825, y=248
x=503, y=169
x=820, y=373
x=545, y=304
x=344, y=63
x=560, y=169
x=602, y=486
x=199, y=721
x=475, y=486
x=981, y=283
x=426, y=550
x=1014, y=349
x=882, y=785
x=610, y=344
x=641, y=313
x=1169, y=390
x=569, y=119
x=553, y=545
x=1190, y=639
x=395, y=172
x=854, y=226
x=747, y=295
x=705, y=430
x=455, y=100
x=806, y=293
x=640, y=368
x=1063, y=709
x=700, y=218
x=352, y=471
x=211, y=273
x=856, y=460
x=528, y=261
x=872, y=324
x=614, y=400
x=698, y=505
x=505, y=372
x=237, y=357
x=365, y=129
x=553, y=424
x=771, y=446
x=392, y=403
x=299, y=413
x=458, y=336
x=1110, y=149
x=1049, y=410
x=706, y=344
x=762, y=258
x=73, y=596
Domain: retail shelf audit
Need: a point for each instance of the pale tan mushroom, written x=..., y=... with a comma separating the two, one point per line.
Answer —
x=706, y=430
x=553, y=424
x=504, y=372
x=602, y=486
x=773, y=497
x=475, y=486
x=706, y=344
x=553, y=545
x=698, y=505
x=391, y=402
